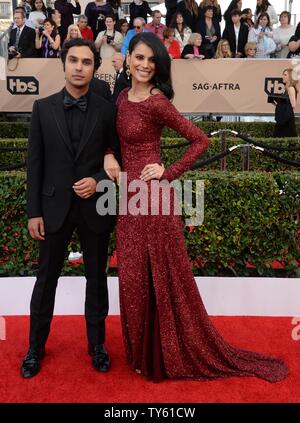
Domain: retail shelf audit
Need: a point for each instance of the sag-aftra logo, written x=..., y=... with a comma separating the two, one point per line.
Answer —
x=22, y=85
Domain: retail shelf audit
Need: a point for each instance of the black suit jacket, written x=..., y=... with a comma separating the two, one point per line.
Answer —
x=121, y=83
x=229, y=35
x=26, y=42
x=100, y=88
x=52, y=168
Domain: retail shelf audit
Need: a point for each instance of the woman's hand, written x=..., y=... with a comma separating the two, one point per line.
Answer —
x=152, y=171
x=111, y=167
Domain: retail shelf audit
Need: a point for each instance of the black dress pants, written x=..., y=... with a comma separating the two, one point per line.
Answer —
x=51, y=258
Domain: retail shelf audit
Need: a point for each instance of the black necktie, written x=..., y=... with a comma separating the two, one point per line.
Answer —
x=81, y=103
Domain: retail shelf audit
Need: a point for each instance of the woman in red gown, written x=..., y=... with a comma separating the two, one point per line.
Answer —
x=166, y=330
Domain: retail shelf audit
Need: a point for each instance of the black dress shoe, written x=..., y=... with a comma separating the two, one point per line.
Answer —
x=31, y=363
x=100, y=358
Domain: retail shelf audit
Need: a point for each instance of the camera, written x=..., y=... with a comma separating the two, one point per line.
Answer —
x=109, y=39
x=12, y=54
x=41, y=29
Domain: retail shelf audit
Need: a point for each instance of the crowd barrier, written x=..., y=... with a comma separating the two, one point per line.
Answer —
x=223, y=86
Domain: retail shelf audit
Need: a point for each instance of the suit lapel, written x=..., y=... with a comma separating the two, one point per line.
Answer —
x=93, y=112
x=59, y=116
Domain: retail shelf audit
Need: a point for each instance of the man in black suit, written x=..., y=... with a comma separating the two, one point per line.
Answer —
x=70, y=133
x=236, y=33
x=121, y=80
x=22, y=38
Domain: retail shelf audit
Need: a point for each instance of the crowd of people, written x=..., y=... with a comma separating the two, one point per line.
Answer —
x=191, y=31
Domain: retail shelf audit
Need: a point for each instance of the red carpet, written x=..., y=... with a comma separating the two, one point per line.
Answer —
x=67, y=375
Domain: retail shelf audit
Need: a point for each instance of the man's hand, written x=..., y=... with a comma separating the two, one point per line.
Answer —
x=111, y=167
x=36, y=228
x=85, y=187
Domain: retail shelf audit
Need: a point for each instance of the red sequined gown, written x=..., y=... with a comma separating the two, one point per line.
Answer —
x=166, y=330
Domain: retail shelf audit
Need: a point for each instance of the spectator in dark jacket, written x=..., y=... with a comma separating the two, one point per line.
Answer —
x=96, y=12
x=139, y=9
x=66, y=9
x=209, y=28
x=189, y=11
x=237, y=34
x=216, y=8
x=22, y=38
x=294, y=44
x=171, y=6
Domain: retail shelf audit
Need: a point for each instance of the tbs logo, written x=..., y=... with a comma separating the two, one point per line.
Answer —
x=22, y=85
x=274, y=86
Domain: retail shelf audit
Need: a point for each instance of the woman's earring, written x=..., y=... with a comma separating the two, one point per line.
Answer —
x=128, y=72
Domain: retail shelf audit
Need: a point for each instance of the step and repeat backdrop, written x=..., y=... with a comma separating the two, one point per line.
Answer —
x=222, y=86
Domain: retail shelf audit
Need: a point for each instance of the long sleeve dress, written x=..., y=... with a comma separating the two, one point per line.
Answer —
x=166, y=330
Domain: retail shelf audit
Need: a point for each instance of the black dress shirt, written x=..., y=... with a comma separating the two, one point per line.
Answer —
x=75, y=119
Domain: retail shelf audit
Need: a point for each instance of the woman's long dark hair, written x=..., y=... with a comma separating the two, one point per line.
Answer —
x=33, y=8
x=230, y=8
x=173, y=23
x=262, y=8
x=162, y=78
x=263, y=15
x=120, y=23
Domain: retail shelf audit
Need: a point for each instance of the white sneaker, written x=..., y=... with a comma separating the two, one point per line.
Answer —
x=75, y=256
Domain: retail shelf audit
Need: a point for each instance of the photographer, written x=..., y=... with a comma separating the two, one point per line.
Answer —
x=47, y=40
x=109, y=41
x=21, y=40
